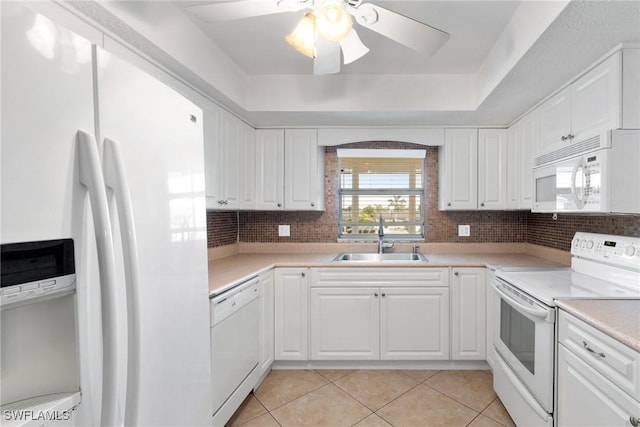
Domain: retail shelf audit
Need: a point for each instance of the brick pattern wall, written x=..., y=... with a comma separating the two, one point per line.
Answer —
x=486, y=226
x=222, y=228
x=542, y=229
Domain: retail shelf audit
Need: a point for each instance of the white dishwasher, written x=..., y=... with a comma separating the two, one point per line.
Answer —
x=234, y=340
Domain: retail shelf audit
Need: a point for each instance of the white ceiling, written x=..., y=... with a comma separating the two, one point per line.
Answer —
x=503, y=58
x=258, y=46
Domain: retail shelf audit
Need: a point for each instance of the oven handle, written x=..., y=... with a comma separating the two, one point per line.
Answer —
x=537, y=312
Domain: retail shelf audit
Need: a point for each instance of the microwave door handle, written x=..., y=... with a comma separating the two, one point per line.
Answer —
x=536, y=312
x=578, y=199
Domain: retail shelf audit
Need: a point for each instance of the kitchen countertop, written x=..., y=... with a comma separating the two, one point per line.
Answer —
x=224, y=273
x=620, y=319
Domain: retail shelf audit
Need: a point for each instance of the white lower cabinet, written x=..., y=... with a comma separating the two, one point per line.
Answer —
x=414, y=323
x=267, y=289
x=598, y=377
x=291, y=314
x=490, y=275
x=344, y=323
x=372, y=314
x=468, y=295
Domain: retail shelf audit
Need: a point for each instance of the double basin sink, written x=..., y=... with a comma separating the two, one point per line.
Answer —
x=390, y=257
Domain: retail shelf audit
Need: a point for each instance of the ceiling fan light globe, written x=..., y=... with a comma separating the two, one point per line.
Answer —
x=334, y=21
x=303, y=38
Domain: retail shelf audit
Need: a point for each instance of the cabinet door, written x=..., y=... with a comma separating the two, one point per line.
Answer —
x=230, y=178
x=555, y=122
x=489, y=314
x=291, y=314
x=301, y=170
x=267, y=289
x=345, y=324
x=468, y=314
x=414, y=324
x=492, y=169
x=248, y=172
x=269, y=169
x=596, y=99
x=212, y=156
x=514, y=141
x=586, y=398
x=459, y=170
x=529, y=132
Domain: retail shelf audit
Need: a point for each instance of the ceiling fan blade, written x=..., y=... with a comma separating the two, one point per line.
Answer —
x=352, y=47
x=327, y=60
x=238, y=9
x=409, y=32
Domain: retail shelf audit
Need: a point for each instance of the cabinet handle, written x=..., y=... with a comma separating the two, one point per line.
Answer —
x=303, y=274
x=586, y=346
x=312, y=204
x=570, y=136
x=375, y=294
x=563, y=138
x=449, y=204
x=456, y=273
x=635, y=421
x=384, y=295
x=279, y=205
x=482, y=204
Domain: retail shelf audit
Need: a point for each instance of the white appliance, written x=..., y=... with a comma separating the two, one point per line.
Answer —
x=234, y=346
x=602, y=266
x=38, y=311
x=601, y=181
x=132, y=200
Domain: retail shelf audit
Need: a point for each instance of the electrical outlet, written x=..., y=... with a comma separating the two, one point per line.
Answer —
x=284, y=231
x=464, y=230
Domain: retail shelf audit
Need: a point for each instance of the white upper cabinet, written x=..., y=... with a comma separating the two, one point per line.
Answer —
x=492, y=169
x=473, y=169
x=522, y=137
x=229, y=161
x=269, y=169
x=303, y=170
x=591, y=105
x=290, y=170
x=458, y=170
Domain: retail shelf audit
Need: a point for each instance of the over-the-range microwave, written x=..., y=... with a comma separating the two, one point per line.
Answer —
x=606, y=180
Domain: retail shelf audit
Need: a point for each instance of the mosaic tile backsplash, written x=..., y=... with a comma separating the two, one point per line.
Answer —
x=225, y=228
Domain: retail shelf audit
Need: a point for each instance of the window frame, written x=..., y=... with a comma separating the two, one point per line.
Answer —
x=390, y=192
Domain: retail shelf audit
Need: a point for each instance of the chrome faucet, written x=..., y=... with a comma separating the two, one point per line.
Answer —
x=382, y=245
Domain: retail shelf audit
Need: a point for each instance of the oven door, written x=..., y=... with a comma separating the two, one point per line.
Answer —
x=524, y=338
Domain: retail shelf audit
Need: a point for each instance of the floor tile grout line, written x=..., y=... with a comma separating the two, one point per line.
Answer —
x=310, y=391
x=372, y=411
x=258, y=416
x=456, y=400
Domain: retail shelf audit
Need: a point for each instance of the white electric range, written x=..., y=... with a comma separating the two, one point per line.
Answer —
x=602, y=267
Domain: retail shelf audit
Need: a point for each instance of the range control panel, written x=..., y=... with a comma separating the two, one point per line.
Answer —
x=621, y=251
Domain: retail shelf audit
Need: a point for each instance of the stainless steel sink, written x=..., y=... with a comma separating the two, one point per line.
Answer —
x=390, y=257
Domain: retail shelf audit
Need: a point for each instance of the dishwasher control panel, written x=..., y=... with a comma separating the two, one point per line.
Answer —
x=229, y=302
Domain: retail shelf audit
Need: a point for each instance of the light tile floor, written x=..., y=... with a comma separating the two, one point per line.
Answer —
x=373, y=398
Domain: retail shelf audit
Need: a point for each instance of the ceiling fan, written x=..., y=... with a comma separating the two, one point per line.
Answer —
x=328, y=30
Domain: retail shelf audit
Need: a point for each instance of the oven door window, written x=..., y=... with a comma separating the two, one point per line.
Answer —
x=518, y=333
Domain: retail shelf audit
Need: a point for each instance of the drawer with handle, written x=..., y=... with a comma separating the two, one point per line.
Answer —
x=617, y=362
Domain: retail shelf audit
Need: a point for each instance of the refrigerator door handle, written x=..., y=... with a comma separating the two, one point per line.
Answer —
x=116, y=180
x=113, y=365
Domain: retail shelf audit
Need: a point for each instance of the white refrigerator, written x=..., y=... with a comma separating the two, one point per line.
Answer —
x=95, y=150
